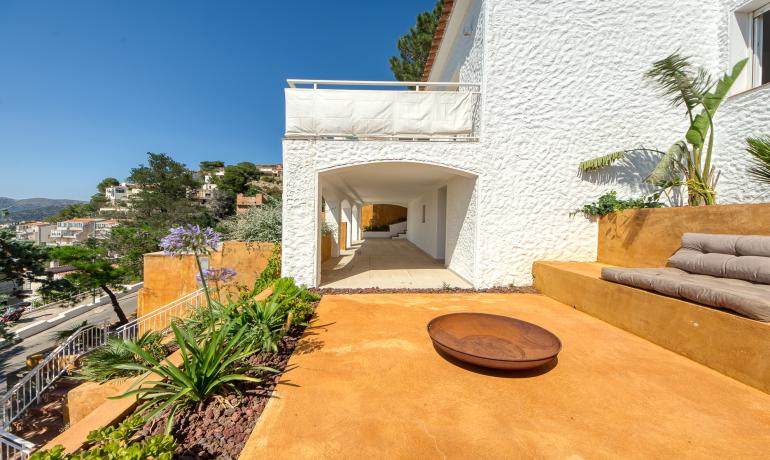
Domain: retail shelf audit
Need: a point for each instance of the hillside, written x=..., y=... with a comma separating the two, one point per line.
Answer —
x=32, y=208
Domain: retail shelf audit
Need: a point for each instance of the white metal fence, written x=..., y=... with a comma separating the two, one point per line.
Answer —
x=13, y=447
x=160, y=319
x=30, y=388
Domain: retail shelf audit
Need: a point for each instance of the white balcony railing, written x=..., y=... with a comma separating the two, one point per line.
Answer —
x=344, y=109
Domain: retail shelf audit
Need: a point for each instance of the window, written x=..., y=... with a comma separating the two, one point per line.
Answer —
x=423, y=214
x=760, y=43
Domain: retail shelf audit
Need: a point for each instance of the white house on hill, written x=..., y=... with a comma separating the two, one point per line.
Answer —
x=485, y=154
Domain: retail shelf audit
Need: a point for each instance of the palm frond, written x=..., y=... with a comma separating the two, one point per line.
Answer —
x=680, y=81
x=668, y=168
x=602, y=161
x=759, y=149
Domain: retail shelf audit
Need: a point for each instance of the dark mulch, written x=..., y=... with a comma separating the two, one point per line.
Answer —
x=219, y=429
x=374, y=290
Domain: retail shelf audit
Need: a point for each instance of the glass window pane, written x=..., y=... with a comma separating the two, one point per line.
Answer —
x=765, y=48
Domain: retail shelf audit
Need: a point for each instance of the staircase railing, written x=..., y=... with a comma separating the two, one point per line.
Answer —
x=160, y=319
x=30, y=388
x=13, y=447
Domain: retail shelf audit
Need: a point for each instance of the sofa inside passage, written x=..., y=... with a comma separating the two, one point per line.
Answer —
x=696, y=282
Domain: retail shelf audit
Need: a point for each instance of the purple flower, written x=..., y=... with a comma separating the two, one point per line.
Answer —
x=218, y=275
x=190, y=239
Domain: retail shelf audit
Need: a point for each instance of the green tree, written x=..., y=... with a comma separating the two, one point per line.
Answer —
x=167, y=194
x=72, y=211
x=93, y=270
x=207, y=166
x=19, y=259
x=260, y=223
x=237, y=177
x=107, y=182
x=131, y=242
x=414, y=47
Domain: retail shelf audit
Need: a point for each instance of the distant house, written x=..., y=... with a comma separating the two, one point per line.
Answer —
x=244, y=203
x=206, y=191
x=103, y=228
x=38, y=232
x=74, y=231
x=273, y=170
x=120, y=197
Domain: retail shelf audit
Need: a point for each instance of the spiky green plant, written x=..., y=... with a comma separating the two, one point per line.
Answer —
x=210, y=367
x=102, y=364
x=690, y=163
x=759, y=149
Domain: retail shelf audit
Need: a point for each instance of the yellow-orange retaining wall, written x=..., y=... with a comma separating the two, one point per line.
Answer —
x=731, y=344
x=381, y=214
x=167, y=278
x=648, y=237
x=326, y=247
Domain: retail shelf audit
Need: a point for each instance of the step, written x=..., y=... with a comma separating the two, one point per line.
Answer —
x=728, y=343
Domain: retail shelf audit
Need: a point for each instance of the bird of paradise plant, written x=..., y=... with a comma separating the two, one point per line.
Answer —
x=688, y=162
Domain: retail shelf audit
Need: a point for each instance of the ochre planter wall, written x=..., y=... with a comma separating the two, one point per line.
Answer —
x=648, y=237
x=167, y=278
x=326, y=247
x=381, y=214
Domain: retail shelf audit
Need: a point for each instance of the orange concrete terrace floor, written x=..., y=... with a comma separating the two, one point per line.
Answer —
x=368, y=384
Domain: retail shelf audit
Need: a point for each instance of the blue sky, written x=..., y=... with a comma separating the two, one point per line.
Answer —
x=87, y=87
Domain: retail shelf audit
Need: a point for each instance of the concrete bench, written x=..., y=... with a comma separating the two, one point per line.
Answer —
x=731, y=344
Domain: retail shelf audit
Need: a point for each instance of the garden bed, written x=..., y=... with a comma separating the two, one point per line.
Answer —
x=220, y=427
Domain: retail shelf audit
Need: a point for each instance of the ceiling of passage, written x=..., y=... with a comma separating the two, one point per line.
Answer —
x=392, y=183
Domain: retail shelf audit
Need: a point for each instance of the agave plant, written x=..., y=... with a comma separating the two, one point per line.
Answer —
x=688, y=162
x=208, y=369
x=759, y=149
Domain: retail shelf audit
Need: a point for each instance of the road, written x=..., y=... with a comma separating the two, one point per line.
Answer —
x=16, y=356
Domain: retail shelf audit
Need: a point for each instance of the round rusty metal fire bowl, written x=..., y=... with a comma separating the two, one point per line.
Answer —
x=493, y=341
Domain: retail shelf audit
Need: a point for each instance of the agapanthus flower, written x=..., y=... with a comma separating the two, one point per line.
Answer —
x=218, y=275
x=190, y=239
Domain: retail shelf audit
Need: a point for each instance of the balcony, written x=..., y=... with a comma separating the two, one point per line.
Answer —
x=351, y=110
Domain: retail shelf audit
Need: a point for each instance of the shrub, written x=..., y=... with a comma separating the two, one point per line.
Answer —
x=609, y=203
x=115, y=443
x=102, y=364
x=296, y=301
x=258, y=224
x=209, y=367
x=377, y=228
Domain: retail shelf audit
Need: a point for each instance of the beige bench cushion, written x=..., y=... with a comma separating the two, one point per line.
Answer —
x=743, y=257
x=749, y=299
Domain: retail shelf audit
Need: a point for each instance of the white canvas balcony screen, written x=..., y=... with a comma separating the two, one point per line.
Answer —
x=363, y=113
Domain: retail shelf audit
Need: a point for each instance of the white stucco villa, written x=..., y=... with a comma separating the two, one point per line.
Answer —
x=486, y=156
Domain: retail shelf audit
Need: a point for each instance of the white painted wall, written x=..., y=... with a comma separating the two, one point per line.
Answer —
x=562, y=81
x=461, y=218
x=423, y=234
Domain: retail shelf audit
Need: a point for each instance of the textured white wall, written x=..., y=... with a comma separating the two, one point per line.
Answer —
x=423, y=234
x=562, y=81
x=461, y=237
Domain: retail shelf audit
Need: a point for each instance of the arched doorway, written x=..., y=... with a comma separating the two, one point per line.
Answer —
x=433, y=247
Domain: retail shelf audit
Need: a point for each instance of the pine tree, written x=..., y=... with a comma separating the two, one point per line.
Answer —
x=414, y=47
